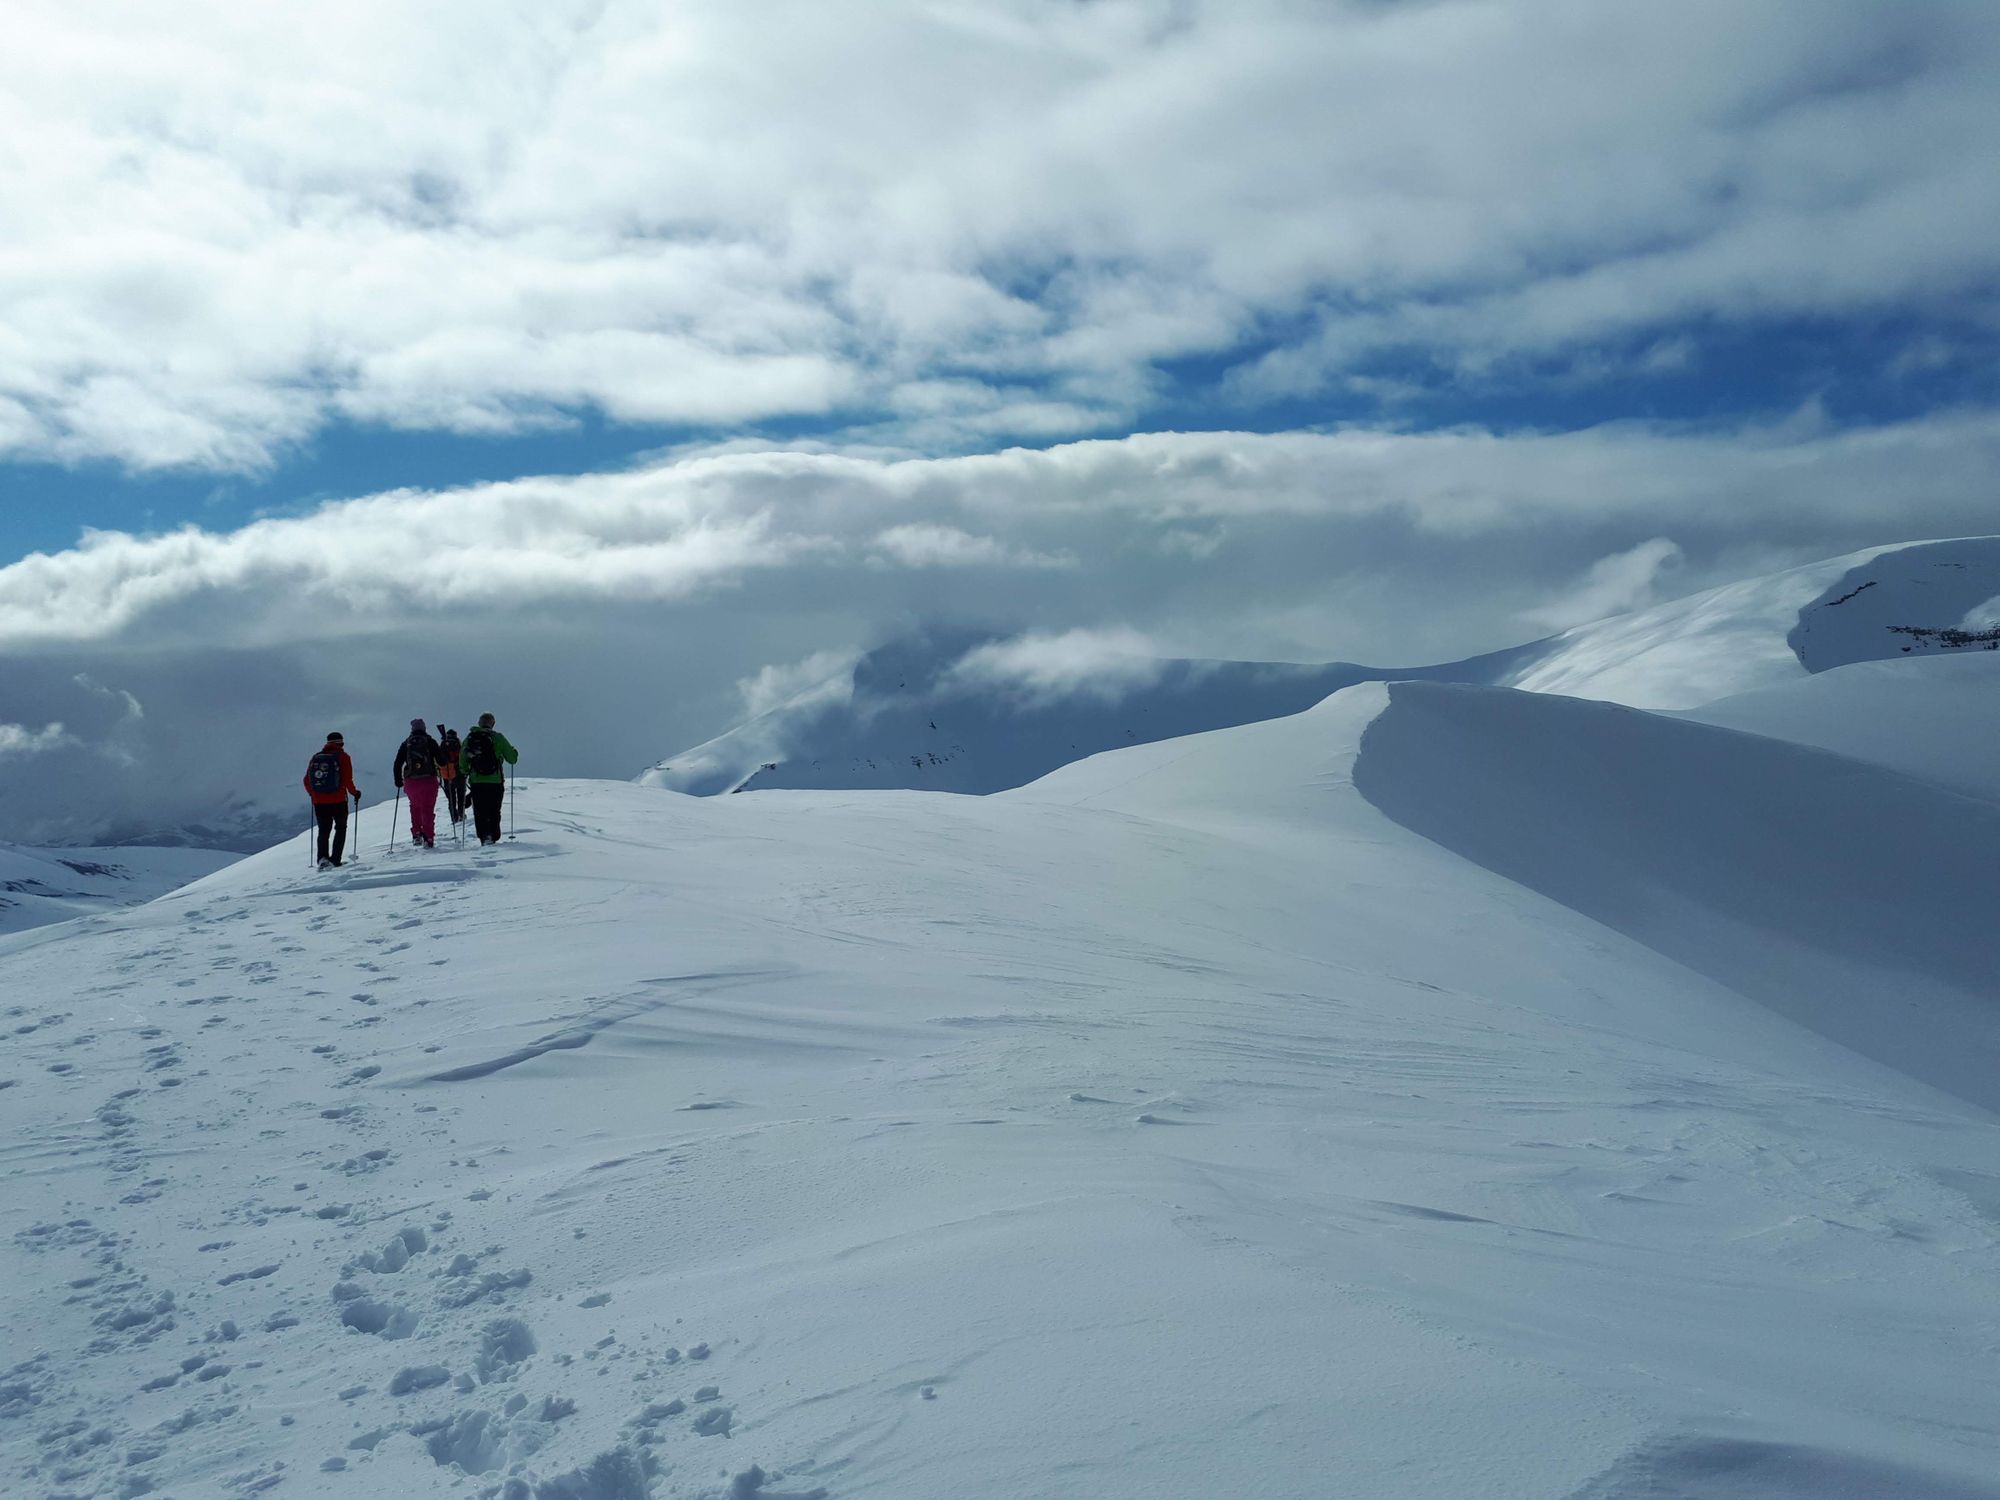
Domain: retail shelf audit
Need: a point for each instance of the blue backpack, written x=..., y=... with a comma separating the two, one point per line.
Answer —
x=323, y=773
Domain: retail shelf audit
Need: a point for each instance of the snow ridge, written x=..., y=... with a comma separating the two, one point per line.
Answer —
x=1770, y=867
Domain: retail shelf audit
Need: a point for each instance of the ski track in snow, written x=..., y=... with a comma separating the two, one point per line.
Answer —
x=1177, y=1125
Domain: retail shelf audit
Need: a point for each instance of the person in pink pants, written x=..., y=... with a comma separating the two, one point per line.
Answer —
x=416, y=772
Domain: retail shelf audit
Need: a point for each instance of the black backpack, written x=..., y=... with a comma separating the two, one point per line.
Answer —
x=480, y=756
x=323, y=773
x=419, y=756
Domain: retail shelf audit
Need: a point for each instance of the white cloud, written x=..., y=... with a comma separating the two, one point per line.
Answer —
x=983, y=222
x=18, y=739
x=925, y=545
x=1104, y=664
x=824, y=676
x=1613, y=585
x=1167, y=518
x=131, y=708
x=613, y=619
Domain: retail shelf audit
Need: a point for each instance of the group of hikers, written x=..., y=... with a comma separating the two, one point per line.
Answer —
x=472, y=772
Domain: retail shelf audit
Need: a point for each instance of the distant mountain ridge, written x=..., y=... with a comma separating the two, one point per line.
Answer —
x=910, y=716
x=908, y=719
x=40, y=886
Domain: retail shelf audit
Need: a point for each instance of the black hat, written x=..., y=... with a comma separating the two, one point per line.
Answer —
x=335, y=738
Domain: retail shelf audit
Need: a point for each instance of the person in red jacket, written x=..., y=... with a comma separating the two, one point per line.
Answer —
x=330, y=782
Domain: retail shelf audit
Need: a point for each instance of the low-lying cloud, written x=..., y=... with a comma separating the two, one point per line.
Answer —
x=1100, y=526
x=1103, y=665
x=613, y=619
x=823, y=677
x=1613, y=585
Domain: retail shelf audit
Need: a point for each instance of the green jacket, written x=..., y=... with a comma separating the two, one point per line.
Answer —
x=507, y=753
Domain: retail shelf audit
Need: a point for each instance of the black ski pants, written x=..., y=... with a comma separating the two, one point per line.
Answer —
x=332, y=820
x=454, y=798
x=488, y=797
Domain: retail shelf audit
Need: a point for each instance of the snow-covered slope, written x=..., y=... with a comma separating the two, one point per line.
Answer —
x=1255, y=1113
x=38, y=886
x=912, y=715
x=1882, y=604
x=1791, y=876
x=1938, y=718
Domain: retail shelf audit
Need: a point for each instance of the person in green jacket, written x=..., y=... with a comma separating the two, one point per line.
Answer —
x=484, y=762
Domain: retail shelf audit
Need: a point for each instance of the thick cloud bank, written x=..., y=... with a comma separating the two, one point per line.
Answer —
x=950, y=227
x=156, y=680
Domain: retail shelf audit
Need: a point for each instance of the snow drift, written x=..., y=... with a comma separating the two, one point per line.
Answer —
x=1937, y=718
x=1257, y=1112
x=1856, y=903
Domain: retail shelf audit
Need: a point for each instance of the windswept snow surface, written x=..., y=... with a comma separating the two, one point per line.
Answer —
x=1937, y=717
x=1851, y=902
x=918, y=715
x=38, y=886
x=1768, y=631
x=1214, y=1117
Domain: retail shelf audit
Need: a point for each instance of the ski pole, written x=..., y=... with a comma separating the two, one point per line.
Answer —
x=510, y=806
x=394, y=818
x=312, y=833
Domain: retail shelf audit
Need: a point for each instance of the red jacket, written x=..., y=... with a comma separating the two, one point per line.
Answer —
x=347, y=786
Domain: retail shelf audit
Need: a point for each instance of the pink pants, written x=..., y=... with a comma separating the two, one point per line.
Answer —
x=423, y=794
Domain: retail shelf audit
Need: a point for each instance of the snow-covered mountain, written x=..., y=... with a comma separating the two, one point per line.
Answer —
x=38, y=886
x=941, y=713
x=241, y=826
x=1446, y=1090
x=963, y=714
x=1884, y=604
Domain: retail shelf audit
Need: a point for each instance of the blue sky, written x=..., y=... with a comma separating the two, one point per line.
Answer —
x=717, y=327
x=1854, y=372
